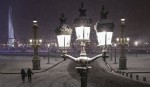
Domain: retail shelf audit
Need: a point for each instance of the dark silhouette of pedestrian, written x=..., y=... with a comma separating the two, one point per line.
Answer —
x=23, y=75
x=30, y=73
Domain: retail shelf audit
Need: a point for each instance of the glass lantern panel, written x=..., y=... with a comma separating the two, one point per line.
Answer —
x=101, y=38
x=83, y=33
x=64, y=40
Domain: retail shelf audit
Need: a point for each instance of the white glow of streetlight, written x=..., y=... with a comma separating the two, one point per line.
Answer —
x=83, y=33
x=40, y=40
x=102, y=36
x=127, y=39
x=123, y=19
x=30, y=40
x=117, y=39
x=136, y=43
x=64, y=40
x=48, y=45
x=34, y=21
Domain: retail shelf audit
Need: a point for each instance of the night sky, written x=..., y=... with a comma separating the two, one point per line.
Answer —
x=47, y=12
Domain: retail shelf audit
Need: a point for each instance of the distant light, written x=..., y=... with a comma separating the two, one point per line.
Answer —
x=34, y=21
x=128, y=39
x=40, y=40
x=136, y=43
x=117, y=39
x=123, y=19
x=48, y=45
x=30, y=40
x=115, y=45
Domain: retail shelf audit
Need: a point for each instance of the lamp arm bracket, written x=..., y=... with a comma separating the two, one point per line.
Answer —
x=94, y=58
x=71, y=57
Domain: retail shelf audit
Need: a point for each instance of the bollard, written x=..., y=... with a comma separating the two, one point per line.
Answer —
x=122, y=73
x=130, y=75
x=127, y=74
x=119, y=72
x=144, y=78
x=137, y=77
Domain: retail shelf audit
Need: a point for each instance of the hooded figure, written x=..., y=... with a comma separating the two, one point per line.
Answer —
x=29, y=72
x=23, y=75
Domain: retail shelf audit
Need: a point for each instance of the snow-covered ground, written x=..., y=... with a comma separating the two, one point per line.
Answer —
x=138, y=65
x=13, y=64
x=55, y=77
x=59, y=76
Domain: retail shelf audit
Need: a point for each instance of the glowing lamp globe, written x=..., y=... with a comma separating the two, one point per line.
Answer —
x=104, y=38
x=63, y=40
x=83, y=33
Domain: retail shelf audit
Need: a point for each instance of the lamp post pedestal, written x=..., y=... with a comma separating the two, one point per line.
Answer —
x=122, y=63
x=48, y=55
x=115, y=62
x=48, y=60
x=123, y=59
x=36, y=63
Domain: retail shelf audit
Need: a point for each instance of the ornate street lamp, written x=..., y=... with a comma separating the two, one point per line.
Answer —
x=63, y=33
x=82, y=26
x=123, y=41
x=35, y=43
x=104, y=29
x=115, y=45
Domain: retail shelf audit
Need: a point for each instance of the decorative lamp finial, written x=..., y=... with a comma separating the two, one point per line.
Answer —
x=63, y=18
x=82, y=10
x=104, y=13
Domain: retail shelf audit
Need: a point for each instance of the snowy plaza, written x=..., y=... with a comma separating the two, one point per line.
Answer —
x=65, y=75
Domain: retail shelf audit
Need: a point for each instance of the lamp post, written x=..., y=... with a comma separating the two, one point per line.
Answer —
x=48, y=53
x=35, y=43
x=111, y=53
x=123, y=41
x=115, y=62
x=136, y=44
x=82, y=28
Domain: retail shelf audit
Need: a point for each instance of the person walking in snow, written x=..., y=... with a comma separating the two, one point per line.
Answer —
x=30, y=73
x=23, y=75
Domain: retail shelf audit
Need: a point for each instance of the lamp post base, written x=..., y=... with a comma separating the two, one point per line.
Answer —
x=36, y=63
x=115, y=62
x=83, y=70
x=122, y=64
x=48, y=61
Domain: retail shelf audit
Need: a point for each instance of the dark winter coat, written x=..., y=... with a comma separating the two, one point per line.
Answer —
x=29, y=72
x=23, y=73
